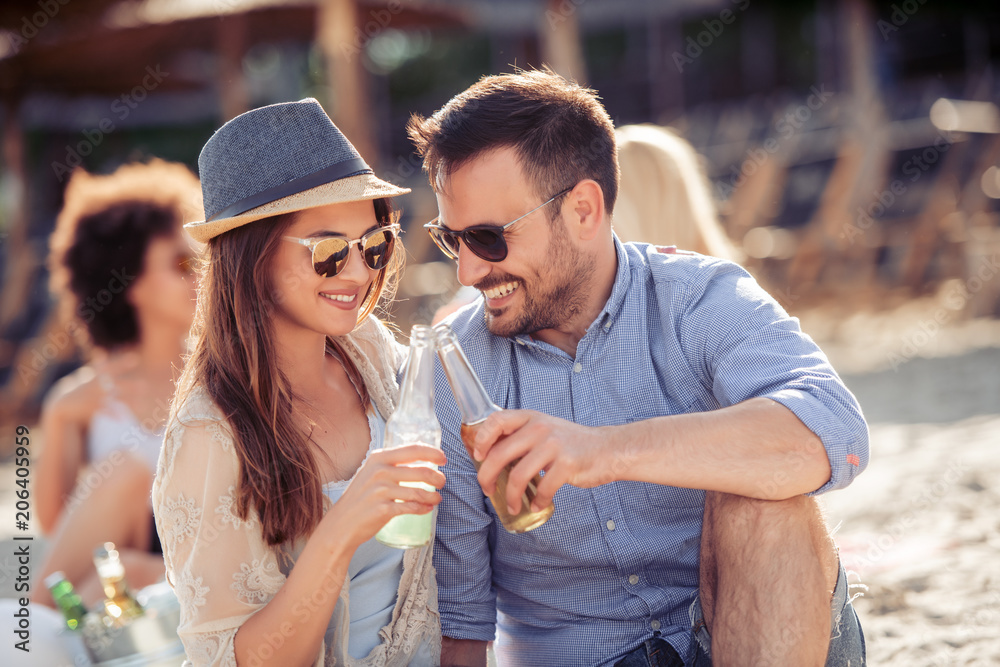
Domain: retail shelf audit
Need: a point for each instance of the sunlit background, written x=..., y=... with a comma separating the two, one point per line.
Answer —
x=851, y=150
x=851, y=146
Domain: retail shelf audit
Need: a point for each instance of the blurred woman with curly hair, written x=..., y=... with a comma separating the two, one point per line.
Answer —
x=120, y=268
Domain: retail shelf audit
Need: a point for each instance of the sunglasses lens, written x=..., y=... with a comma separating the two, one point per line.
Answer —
x=448, y=242
x=378, y=247
x=330, y=256
x=487, y=243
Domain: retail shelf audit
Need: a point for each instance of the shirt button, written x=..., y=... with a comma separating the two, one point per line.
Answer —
x=655, y=625
x=634, y=579
x=577, y=367
x=607, y=325
x=611, y=524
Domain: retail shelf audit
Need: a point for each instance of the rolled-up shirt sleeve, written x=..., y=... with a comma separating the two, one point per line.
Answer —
x=745, y=345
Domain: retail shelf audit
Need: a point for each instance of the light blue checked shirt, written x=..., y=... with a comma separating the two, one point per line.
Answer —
x=618, y=564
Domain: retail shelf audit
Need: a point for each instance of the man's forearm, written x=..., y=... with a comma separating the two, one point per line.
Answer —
x=757, y=448
x=462, y=652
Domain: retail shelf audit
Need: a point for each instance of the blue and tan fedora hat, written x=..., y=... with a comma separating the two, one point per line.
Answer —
x=279, y=159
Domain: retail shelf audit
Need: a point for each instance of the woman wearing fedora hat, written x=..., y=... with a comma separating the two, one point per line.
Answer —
x=272, y=483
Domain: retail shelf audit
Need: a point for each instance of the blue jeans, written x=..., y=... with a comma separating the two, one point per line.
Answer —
x=847, y=640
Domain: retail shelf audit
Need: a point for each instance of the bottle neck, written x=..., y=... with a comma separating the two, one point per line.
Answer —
x=416, y=395
x=110, y=570
x=470, y=395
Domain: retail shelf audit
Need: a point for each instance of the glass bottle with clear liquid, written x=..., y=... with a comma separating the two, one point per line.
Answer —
x=475, y=405
x=414, y=422
x=120, y=606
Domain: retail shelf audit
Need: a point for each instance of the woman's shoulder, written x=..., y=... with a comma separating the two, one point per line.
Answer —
x=197, y=412
x=74, y=397
x=378, y=357
x=375, y=333
x=382, y=337
x=199, y=434
x=197, y=405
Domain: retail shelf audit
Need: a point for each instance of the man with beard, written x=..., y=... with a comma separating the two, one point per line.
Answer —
x=681, y=419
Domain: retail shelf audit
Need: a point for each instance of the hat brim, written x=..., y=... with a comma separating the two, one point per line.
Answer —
x=360, y=187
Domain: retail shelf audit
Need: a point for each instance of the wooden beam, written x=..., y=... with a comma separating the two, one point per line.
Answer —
x=342, y=45
x=559, y=40
x=22, y=263
x=232, y=45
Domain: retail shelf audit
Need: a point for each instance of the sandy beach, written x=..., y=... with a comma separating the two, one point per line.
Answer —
x=920, y=529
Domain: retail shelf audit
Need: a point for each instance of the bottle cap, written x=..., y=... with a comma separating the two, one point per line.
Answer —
x=106, y=550
x=54, y=578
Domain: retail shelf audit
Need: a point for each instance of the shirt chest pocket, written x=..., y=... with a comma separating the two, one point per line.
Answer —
x=672, y=497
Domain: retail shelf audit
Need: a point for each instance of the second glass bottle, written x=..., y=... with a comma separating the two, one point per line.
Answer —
x=475, y=405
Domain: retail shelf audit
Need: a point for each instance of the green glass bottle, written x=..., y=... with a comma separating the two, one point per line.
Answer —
x=66, y=599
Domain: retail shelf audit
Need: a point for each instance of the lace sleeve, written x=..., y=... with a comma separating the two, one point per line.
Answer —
x=218, y=564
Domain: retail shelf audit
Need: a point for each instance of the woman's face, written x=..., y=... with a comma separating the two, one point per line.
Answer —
x=305, y=300
x=164, y=294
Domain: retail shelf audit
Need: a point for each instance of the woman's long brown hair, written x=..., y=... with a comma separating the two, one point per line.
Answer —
x=235, y=360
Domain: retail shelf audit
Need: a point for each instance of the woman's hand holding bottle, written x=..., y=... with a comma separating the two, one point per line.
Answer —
x=370, y=500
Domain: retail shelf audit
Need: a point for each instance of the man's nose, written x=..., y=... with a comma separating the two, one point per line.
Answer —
x=471, y=267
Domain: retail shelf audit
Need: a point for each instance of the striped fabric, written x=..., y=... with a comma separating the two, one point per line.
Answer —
x=617, y=564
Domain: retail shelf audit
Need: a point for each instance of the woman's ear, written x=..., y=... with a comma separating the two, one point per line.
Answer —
x=584, y=208
x=137, y=292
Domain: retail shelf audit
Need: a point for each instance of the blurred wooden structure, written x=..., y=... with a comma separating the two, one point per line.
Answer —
x=104, y=47
x=835, y=198
x=907, y=230
x=803, y=178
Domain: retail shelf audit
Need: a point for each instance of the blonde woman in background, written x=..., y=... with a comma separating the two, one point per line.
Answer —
x=664, y=196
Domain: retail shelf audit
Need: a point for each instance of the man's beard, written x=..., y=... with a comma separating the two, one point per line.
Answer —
x=544, y=306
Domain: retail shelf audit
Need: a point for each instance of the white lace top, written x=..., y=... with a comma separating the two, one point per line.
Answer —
x=220, y=566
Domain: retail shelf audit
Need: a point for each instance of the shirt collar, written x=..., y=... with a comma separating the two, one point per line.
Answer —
x=623, y=279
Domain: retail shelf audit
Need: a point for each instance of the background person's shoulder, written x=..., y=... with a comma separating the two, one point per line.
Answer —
x=677, y=264
x=75, y=396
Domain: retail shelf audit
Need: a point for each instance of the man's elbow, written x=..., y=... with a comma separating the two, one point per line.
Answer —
x=838, y=464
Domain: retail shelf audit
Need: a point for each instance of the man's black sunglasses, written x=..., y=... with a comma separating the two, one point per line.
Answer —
x=486, y=241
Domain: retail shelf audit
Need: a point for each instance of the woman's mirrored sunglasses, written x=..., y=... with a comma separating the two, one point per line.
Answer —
x=331, y=254
x=486, y=241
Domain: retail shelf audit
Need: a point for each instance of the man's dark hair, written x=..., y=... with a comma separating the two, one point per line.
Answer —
x=559, y=129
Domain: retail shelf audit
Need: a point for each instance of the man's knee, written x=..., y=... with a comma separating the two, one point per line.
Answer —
x=769, y=526
x=763, y=517
x=729, y=512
